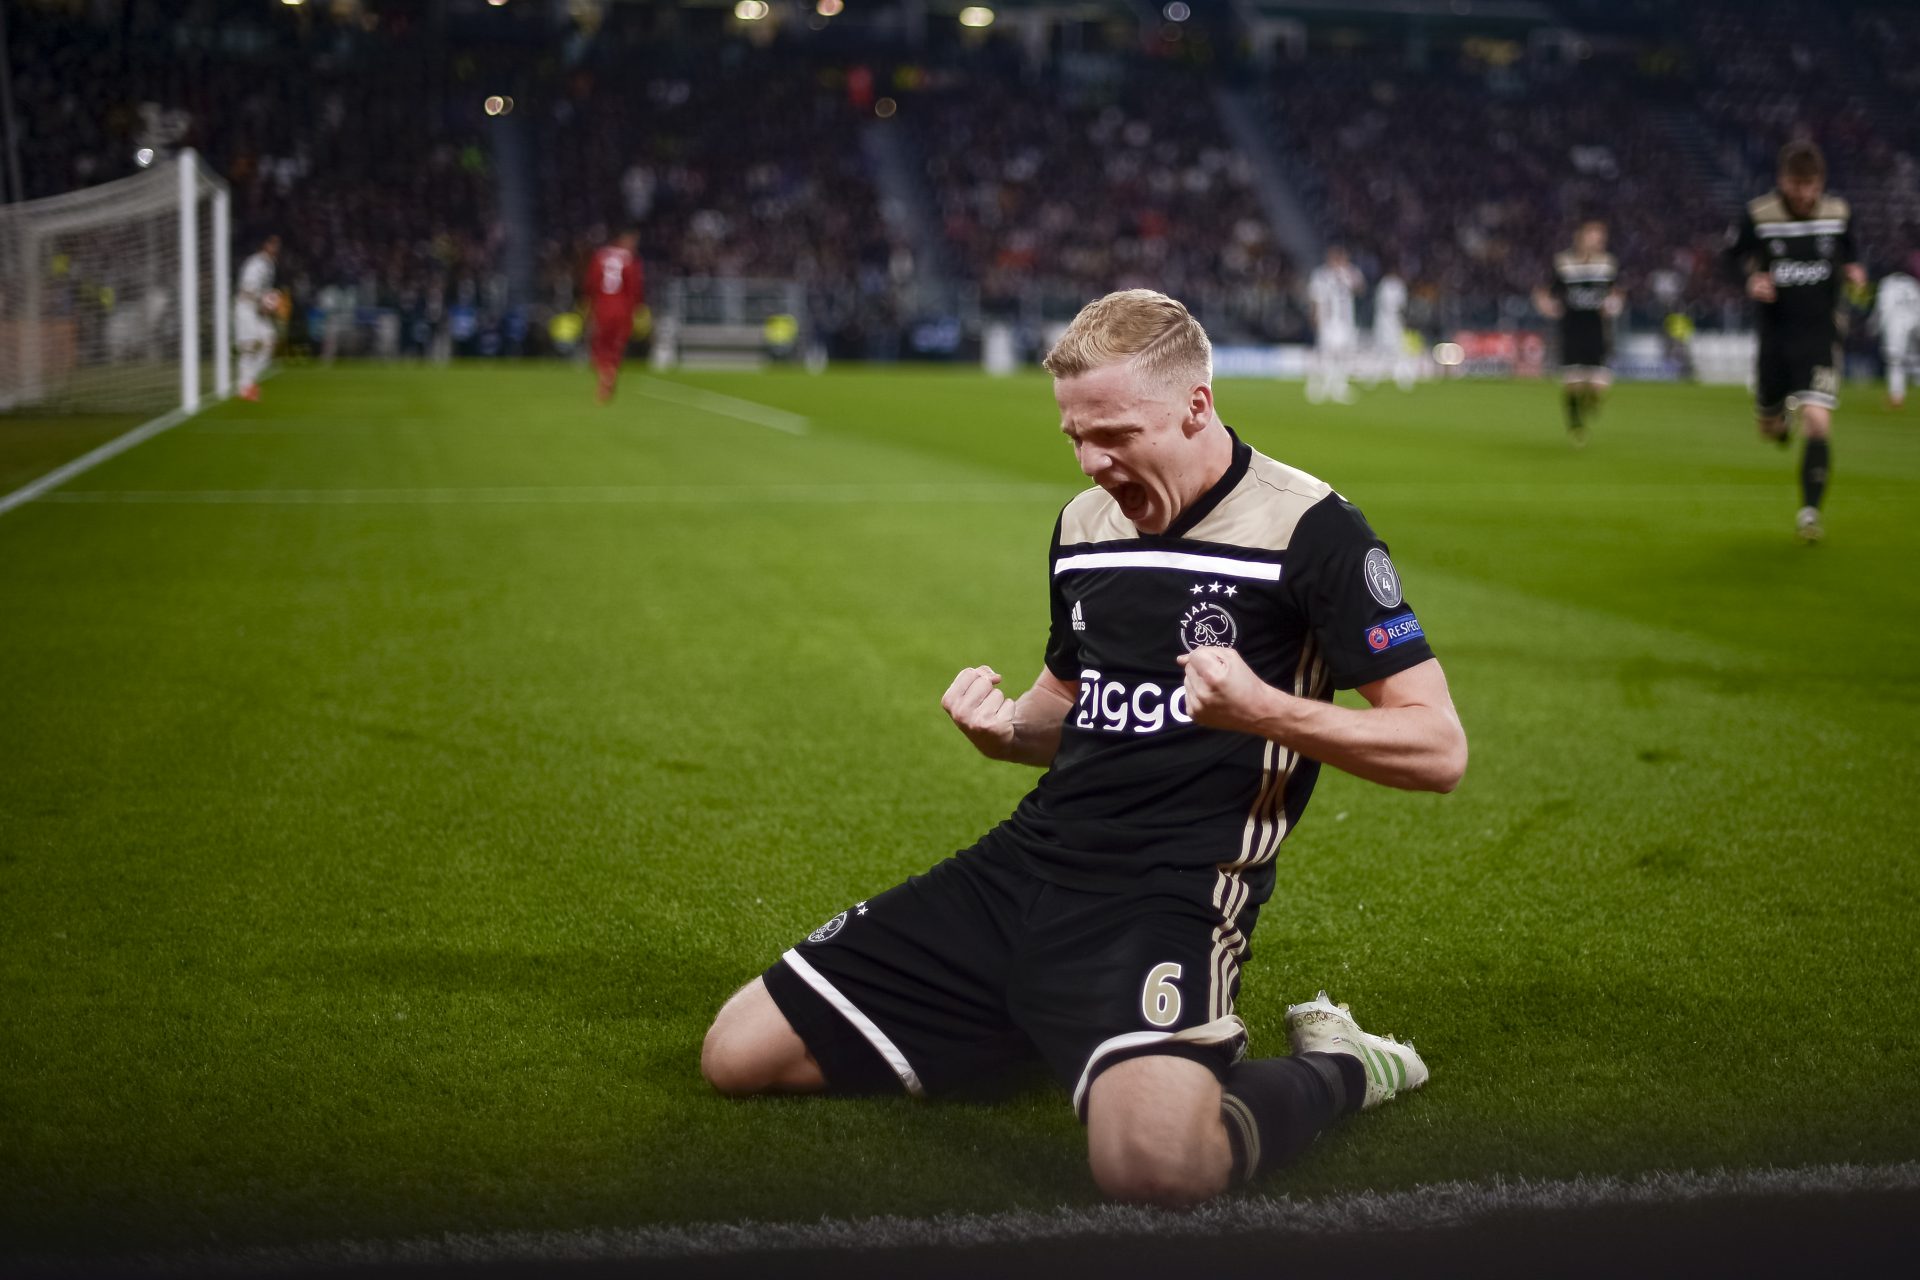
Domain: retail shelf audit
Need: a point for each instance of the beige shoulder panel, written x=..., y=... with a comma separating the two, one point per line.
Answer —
x=1094, y=516
x=1263, y=508
x=1767, y=208
x=1834, y=207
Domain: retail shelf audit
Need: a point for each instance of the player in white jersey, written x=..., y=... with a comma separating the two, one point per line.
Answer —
x=1390, y=329
x=1330, y=289
x=1896, y=316
x=254, y=306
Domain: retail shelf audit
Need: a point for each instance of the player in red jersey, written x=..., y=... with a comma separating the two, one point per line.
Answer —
x=616, y=284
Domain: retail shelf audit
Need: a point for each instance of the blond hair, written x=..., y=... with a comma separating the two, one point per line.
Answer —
x=1157, y=335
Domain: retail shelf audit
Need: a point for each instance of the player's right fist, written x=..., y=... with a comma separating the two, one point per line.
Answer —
x=980, y=710
x=1760, y=287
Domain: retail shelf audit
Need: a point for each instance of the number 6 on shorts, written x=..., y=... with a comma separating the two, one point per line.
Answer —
x=1160, y=999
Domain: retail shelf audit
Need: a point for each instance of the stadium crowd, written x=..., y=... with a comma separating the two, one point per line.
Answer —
x=1053, y=193
x=1467, y=177
x=1791, y=70
x=1462, y=164
x=729, y=162
x=344, y=141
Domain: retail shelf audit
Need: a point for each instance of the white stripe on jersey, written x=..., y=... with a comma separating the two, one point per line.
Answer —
x=1168, y=560
x=1813, y=227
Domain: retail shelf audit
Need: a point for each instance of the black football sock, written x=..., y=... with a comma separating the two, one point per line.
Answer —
x=1813, y=471
x=1274, y=1107
x=1573, y=411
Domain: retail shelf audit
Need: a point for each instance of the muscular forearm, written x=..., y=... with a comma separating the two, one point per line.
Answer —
x=1023, y=730
x=1037, y=716
x=1416, y=748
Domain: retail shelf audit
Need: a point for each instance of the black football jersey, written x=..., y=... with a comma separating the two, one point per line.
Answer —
x=1270, y=562
x=1583, y=286
x=1805, y=257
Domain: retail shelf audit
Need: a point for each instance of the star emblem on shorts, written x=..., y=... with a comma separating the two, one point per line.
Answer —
x=1197, y=588
x=1213, y=588
x=860, y=908
x=1233, y=591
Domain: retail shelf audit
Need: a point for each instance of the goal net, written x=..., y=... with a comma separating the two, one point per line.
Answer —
x=115, y=298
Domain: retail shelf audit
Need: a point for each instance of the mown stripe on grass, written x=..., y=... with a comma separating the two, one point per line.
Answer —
x=725, y=406
x=1439, y=1205
x=639, y=495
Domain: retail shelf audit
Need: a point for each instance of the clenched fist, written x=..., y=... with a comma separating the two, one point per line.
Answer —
x=1760, y=287
x=980, y=710
x=1222, y=691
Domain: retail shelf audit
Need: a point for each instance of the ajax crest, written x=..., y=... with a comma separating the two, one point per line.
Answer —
x=1207, y=625
x=828, y=929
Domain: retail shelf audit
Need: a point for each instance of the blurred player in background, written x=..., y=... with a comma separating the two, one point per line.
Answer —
x=1330, y=289
x=1584, y=297
x=1390, y=329
x=256, y=305
x=1896, y=317
x=616, y=285
x=1792, y=246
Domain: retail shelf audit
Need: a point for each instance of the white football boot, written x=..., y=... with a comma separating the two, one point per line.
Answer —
x=1806, y=523
x=1321, y=1026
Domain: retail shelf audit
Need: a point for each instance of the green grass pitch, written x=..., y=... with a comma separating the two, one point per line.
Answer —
x=396, y=775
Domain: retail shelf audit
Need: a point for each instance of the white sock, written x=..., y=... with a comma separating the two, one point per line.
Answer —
x=1897, y=379
x=253, y=363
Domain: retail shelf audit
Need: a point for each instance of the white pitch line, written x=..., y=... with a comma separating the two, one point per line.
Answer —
x=88, y=461
x=642, y=495
x=704, y=494
x=761, y=415
x=1435, y=1206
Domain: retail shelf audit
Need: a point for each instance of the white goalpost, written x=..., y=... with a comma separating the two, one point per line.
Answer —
x=118, y=298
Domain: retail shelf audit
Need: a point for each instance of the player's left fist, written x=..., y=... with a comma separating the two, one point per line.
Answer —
x=1222, y=691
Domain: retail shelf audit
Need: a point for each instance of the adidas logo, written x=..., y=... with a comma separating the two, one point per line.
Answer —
x=1079, y=622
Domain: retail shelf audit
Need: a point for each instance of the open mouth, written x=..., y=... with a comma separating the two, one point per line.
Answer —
x=1132, y=498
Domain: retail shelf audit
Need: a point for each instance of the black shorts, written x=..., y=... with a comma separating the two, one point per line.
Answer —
x=1583, y=345
x=947, y=980
x=1796, y=369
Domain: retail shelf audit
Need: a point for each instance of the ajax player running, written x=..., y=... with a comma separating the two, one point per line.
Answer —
x=616, y=284
x=1584, y=297
x=1792, y=247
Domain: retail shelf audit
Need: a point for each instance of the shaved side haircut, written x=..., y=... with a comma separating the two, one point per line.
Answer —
x=1153, y=332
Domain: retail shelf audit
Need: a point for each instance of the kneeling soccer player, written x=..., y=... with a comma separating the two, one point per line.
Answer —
x=1206, y=602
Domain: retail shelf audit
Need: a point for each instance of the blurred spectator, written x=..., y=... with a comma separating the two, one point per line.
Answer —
x=1074, y=191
